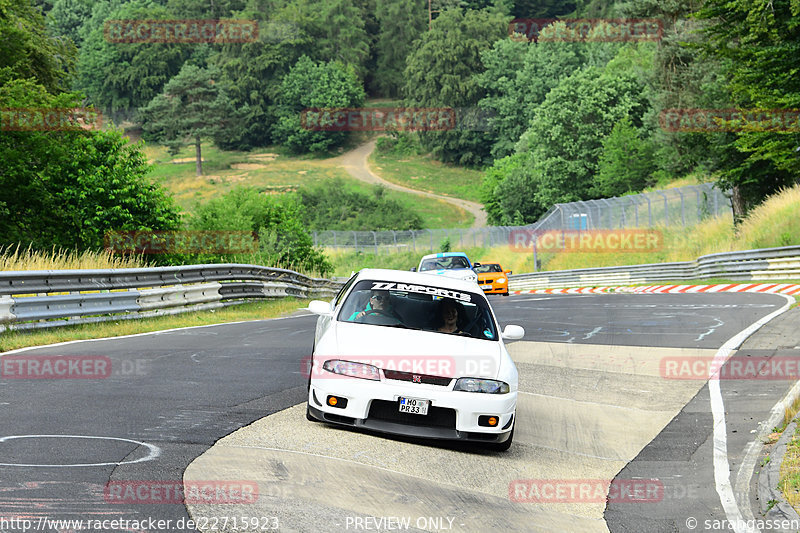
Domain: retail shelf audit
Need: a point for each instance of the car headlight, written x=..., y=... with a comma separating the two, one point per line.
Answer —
x=471, y=277
x=354, y=370
x=500, y=280
x=488, y=386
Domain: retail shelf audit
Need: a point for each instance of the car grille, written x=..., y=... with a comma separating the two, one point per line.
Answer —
x=439, y=417
x=423, y=378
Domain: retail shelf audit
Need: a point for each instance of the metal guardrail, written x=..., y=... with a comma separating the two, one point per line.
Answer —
x=51, y=298
x=752, y=265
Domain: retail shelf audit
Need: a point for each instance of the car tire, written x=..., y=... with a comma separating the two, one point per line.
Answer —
x=503, y=446
x=505, y=293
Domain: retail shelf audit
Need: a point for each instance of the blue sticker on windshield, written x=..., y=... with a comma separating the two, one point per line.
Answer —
x=488, y=334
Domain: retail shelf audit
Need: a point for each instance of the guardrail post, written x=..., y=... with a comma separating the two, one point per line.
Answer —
x=683, y=211
x=375, y=239
x=394, y=236
x=355, y=241
x=315, y=239
x=649, y=212
x=414, y=239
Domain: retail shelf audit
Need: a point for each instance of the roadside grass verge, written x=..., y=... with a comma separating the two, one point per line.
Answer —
x=789, y=483
x=18, y=258
x=273, y=171
x=11, y=340
x=424, y=173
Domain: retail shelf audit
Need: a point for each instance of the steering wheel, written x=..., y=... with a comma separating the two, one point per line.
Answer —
x=379, y=313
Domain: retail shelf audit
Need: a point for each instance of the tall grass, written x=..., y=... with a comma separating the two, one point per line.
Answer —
x=14, y=257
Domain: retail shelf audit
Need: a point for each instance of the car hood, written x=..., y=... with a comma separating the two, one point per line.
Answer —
x=414, y=351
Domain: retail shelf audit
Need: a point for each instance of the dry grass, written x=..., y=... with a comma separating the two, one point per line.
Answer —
x=18, y=258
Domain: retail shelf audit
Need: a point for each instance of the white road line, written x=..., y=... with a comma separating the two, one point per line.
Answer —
x=154, y=451
x=18, y=350
x=721, y=462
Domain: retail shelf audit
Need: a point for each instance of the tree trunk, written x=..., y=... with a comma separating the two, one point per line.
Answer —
x=737, y=204
x=199, y=161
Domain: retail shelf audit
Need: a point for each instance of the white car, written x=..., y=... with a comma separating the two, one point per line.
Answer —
x=451, y=264
x=413, y=354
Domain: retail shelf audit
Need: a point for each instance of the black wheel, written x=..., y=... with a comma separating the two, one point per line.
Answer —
x=505, y=293
x=502, y=446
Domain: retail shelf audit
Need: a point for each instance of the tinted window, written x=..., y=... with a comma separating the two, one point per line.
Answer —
x=489, y=267
x=444, y=263
x=417, y=306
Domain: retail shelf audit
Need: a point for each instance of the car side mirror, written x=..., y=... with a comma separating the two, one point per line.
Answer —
x=508, y=272
x=513, y=333
x=318, y=307
x=413, y=269
x=475, y=265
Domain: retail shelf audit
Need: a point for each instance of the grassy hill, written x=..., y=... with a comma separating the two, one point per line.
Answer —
x=273, y=171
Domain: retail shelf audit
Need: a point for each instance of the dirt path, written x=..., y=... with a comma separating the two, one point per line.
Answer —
x=355, y=162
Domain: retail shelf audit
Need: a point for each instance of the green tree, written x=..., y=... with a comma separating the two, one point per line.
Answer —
x=519, y=75
x=344, y=37
x=283, y=239
x=68, y=188
x=401, y=23
x=312, y=85
x=67, y=17
x=121, y=77
x=441, y=71
x=193, y=106
x=26, y=51
x=758, y=45
x=626, y=164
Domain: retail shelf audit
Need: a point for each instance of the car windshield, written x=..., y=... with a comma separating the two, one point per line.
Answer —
x=444, y=263
x=491, y=267
x=421, y=307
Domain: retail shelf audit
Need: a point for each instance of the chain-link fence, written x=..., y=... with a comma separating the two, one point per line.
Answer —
x=680, y=206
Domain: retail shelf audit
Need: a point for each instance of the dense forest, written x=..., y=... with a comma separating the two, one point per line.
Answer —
x=548, y=119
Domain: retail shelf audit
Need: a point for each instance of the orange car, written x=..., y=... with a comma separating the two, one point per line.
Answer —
x=492, y=278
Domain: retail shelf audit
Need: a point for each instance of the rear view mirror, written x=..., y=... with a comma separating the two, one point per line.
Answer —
x=413, y=269
x=513, y=333
x=318, y=307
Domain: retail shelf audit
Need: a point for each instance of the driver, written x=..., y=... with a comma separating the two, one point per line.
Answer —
x=378, y=303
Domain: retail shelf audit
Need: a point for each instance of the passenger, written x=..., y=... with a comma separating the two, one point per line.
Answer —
x=450, y=316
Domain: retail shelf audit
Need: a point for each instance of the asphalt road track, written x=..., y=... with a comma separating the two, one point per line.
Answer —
x=172, y=395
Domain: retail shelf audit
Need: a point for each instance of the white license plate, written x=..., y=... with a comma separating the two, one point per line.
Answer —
x=415, y=406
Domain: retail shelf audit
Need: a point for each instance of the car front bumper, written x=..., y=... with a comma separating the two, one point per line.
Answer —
x=451, y=415
x=494, y=288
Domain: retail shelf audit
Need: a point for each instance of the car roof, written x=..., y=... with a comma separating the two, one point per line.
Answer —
x=444, y=254
x=421, y=278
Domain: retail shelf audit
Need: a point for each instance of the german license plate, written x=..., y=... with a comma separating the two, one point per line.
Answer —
x=414, y=406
